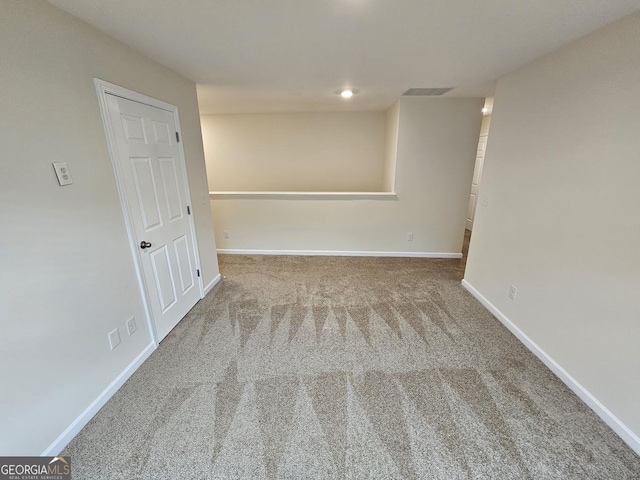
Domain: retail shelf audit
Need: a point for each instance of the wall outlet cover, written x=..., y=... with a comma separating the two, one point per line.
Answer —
x=114, y=338
x=131, y=326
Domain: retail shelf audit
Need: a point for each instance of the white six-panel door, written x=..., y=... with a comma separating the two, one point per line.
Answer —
x=154, y=177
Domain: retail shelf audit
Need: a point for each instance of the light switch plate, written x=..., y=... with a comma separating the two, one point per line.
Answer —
x=63, y=173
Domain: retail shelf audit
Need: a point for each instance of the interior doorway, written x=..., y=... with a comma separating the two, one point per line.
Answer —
x=477, y=171
x=148, y=160
x=477, y=175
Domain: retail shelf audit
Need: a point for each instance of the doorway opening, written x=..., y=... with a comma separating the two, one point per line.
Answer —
x=474, y=196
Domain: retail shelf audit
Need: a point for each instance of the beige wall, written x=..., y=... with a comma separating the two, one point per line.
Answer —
x=392, y=126
x=436, y=152
x=561, y=177
x=295, y=151
x=67, y=276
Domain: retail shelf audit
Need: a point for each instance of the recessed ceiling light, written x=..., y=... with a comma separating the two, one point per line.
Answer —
x=347, y=92
x=485, y=110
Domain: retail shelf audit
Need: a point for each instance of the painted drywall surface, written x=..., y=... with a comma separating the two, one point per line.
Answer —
x=562, y=225
x=341, y=151
x=436, y=152
x=67, y=276
x=392, y=125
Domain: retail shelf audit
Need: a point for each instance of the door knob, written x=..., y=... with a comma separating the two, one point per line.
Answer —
x=144, y=245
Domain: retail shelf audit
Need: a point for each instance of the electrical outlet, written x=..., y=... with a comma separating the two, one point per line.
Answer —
x=114, y=338
x=226, y=233
x=410, y=237
x=485, y=201
x=513, y=291
x=131, y=326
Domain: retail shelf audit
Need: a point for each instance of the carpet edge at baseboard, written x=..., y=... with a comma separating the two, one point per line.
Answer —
x=624, y=432
x=78, y=424
x=212, y=284
x=338, y=253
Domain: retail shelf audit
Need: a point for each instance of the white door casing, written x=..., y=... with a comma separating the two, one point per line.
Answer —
x=477, y=175
x=152, y=180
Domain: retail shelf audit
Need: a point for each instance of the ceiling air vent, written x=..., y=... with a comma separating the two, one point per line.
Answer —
x=426, y=92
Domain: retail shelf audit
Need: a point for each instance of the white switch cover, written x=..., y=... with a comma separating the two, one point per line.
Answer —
x=114, y=338
x=63, y=173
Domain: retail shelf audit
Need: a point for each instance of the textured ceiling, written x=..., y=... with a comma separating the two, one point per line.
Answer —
x=288, y=55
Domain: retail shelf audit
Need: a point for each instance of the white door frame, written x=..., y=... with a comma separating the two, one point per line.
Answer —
x=103, y=89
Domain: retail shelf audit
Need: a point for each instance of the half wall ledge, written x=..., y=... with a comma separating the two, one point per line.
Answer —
x=304, y=195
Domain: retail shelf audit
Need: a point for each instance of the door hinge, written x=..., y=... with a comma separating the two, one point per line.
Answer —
x=198, y=270
x=188, y=210
x=177, y=137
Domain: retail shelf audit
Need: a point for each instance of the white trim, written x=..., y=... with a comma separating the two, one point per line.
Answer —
x=103, y=89
x=304, y=195
x=78, y=424
x=119, y=91
x=337, y=253
x=592, y=402
x=212, y=284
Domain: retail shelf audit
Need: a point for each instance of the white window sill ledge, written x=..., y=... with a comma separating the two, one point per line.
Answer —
x=304, y=195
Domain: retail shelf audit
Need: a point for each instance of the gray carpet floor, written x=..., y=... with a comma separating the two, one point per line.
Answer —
x=319, y=367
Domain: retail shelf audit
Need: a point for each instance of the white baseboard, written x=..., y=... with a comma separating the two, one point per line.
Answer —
x=338, y=253
x=212, y=284
x=603, y=412
x=72, y=430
